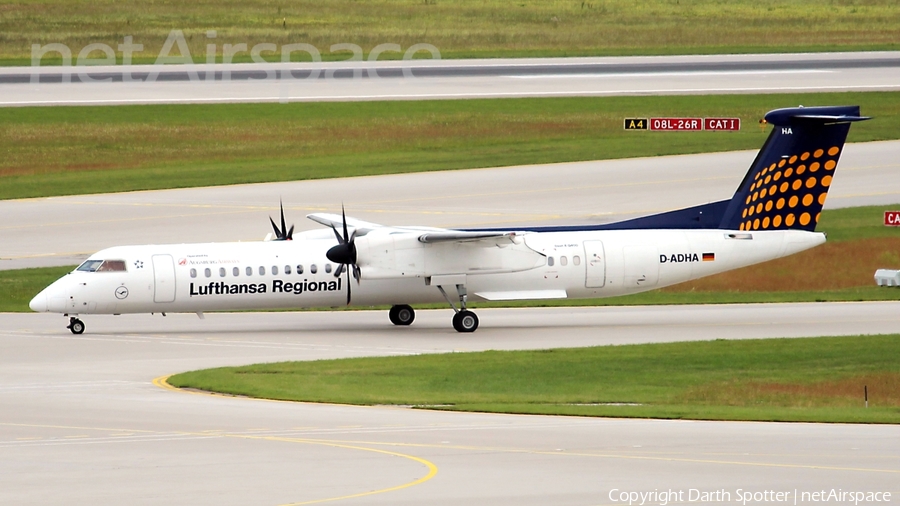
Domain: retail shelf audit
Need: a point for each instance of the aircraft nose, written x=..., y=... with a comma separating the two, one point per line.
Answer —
x=51, y=299
x=39, y=302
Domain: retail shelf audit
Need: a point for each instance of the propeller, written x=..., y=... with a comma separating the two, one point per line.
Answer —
x=344, y=253
x=284, y=234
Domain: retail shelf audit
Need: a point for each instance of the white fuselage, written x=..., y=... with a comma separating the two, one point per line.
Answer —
x=297, y=274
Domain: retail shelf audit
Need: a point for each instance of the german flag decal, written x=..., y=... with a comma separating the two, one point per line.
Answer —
x=709, y=257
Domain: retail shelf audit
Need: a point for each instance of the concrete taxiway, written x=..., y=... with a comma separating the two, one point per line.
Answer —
x=450, y=79
x=64, y=230
x=83, y=422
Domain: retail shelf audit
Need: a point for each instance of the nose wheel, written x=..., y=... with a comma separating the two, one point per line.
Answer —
x=75, y=325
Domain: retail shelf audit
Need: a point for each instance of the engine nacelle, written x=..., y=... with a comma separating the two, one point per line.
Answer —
x=391, y=254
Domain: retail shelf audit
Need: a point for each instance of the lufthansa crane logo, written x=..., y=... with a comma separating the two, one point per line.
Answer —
x=121, y=292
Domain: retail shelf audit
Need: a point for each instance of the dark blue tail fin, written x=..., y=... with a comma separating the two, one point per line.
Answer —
x=789, y=180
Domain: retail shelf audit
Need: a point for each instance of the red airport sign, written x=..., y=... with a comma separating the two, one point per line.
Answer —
x=720, y=124
x=676, y=124
x=892, y=218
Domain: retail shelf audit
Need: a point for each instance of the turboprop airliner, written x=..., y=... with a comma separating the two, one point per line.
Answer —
x=350, y=262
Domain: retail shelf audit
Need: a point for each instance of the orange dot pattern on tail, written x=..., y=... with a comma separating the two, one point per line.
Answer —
x=803, y=181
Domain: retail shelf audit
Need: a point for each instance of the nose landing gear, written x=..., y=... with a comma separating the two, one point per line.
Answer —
x=75, y=325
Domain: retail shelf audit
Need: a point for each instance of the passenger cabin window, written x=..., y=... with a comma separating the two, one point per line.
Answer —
x=563, y=261
x=102, y=266
x=299, y=269
x=313, y=269
x=328, y=268
x=221, y=272
x=207, y=272
x=287, y=269
x=262, y=271
x=550, y=261
x=249, y=271
x=274, y=270
x=236, y=272
x=576, y=260
x=193, y=273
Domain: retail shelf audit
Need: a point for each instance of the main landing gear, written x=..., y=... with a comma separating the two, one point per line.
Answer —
x=463, y=319
x=402, y=315
x=75, y=325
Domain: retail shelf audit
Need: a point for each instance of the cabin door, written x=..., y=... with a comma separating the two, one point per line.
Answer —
x=163, y=278
x=595, y=265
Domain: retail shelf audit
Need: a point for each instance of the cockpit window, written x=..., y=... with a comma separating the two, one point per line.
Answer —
x=89, y=266
x=102, y=266
x=112, y=266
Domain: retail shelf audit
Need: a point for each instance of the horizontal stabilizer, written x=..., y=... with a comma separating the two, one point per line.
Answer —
x=831, y=119
x=829, y=114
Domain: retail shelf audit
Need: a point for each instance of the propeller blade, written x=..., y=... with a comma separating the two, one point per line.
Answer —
x=337, y=236
x=275, y=228
x=283, y=233
x=344, y=219
x=344, y=253
x=348, y=287
x=283, y=226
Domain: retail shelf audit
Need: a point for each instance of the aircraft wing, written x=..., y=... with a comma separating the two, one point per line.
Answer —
x=390, y=252
x=336, y=221
x=457, y=236
x=431, y=235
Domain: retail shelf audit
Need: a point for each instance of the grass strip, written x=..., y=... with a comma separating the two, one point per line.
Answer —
x=486, y=28
x=840, y=270
x=18, y=287
x=78, y=150
x=810, y=379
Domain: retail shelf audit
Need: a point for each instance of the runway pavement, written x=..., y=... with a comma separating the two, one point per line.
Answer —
x=83, y=423
x=450, y=79
x=64, y=230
